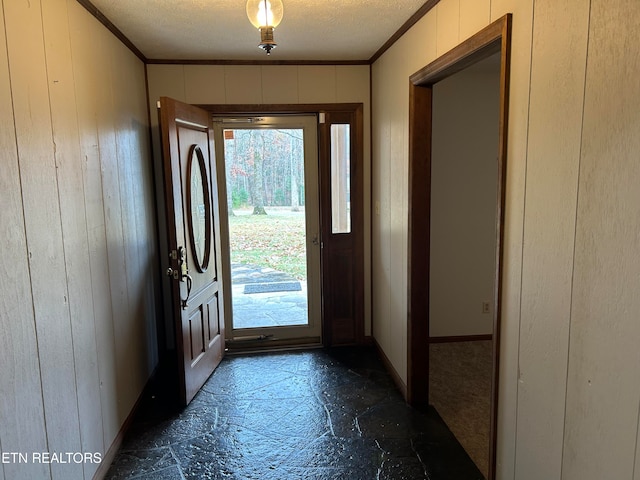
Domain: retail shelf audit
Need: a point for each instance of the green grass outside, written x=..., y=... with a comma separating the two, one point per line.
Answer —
x=276, y=240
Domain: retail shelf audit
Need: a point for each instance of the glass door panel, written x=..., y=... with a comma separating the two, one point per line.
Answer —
x=270, y=168
x=340, y=178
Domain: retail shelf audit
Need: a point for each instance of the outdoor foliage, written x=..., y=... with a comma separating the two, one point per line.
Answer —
x=264, y=167
x=276, y=240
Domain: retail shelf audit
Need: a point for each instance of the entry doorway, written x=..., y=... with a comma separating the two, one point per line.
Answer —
x=340, y=146
x=495, y=38
x=272, y=217
x=463, y=247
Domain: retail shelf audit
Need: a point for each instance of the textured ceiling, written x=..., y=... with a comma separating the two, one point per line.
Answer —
x=220, y=29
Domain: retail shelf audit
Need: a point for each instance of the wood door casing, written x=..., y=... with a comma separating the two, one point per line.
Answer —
x=342, y=253
x=494, y=38
x=196, y=292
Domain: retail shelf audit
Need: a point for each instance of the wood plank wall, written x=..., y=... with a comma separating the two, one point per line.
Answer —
x=570, y=392
x=603, y=385
x=550, y=206
x=78, y=272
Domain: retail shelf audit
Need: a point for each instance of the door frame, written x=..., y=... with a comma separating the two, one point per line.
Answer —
x=296, y=109
x=493, y=39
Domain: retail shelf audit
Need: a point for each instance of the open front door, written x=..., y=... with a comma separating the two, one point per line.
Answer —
x=194, y=249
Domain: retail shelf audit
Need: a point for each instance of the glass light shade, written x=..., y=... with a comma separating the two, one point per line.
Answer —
x=264, y=13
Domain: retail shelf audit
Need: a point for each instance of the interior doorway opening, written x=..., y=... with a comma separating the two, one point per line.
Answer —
x=496, y=38
x=464, y=184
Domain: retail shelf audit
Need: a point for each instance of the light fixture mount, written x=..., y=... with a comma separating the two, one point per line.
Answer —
x=266, y=39
x=265, y=15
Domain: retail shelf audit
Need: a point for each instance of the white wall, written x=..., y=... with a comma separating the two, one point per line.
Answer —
x=569, y=393
x=464, y=193
x=77, y=313
x=272, y=84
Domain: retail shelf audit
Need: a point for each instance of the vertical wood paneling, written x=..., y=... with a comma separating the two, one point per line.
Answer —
x=21, y=408
x=74, y=224
x=419, y=43
x=603, y=384
x=474, y=15
x=448, y=27
x=317, y=84
x=279, y=84
x=127, y=329
x=502, y=7
x=380, y=224
x=150, y=281
x=40, y=197
x=352, y=83
x=396, y=111
x=165, y=80
x=557, y=84
x=204, y=84
x=243, y=84
x=84, y=44
x=131, y=345
x=513, y=229
x=109, y=163
x=169, y=81
x=58, y=378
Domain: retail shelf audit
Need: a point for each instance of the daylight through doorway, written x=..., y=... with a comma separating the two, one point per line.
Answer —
x=265, y=179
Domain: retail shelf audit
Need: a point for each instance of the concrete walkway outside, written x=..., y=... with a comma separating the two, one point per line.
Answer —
x=283, y=301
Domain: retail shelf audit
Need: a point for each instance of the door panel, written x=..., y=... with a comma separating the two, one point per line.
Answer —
x=310, y=332
x=341, y=196
x=192, y=229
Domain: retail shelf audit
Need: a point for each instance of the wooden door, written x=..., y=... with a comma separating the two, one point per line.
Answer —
x=193, y=242
x=341, y=199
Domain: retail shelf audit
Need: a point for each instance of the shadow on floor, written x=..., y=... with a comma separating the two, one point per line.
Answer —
x=318, y=414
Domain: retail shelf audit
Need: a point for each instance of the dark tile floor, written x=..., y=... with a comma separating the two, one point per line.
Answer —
x=318, y=414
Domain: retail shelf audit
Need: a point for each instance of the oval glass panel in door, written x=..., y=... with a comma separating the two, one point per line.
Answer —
x=199, y=208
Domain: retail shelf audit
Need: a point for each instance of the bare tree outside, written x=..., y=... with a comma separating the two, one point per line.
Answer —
x=264, y=168
x=265, y=180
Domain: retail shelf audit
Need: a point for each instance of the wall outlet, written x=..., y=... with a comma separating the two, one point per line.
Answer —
x=486, y=307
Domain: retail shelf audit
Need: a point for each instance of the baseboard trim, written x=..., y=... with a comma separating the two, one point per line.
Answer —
x=461, y=338
x=111, y=453
x=392, y=371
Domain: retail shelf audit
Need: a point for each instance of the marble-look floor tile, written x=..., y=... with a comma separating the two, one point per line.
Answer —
x=312, y=415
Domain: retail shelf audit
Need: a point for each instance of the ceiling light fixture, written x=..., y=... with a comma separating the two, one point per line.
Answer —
x=265, y=15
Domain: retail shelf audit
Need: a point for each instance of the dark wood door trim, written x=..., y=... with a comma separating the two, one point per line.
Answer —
x=263, y=109
x=343, y=254
x=492, y=39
